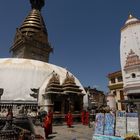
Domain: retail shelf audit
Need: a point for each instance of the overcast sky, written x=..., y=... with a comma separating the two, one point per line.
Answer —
x=85, y=34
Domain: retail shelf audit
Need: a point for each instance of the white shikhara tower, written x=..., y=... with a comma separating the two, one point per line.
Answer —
x=130, y=57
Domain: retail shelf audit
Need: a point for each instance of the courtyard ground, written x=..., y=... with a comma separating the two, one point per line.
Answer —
x=77, y=132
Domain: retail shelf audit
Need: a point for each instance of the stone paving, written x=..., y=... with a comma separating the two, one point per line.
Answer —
x=77, y=132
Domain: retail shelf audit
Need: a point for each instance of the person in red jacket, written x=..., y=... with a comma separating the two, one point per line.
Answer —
x=83, y=116
x=50, y=115
x=87, y=118
x=69, y=119
x=47, y=125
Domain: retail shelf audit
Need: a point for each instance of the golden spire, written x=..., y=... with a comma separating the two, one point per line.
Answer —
x=34, y=21
x=130, y=16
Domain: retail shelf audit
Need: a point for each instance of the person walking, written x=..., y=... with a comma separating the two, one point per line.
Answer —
x=50, y=115
x=69, y=119
x=83, y=116
x=87, y=119
x=47, y=125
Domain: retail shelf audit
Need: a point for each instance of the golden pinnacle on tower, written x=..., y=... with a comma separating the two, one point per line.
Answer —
x=37, y=4
x=31, y=39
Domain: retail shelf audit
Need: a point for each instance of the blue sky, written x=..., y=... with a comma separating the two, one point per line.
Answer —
x=85, y=34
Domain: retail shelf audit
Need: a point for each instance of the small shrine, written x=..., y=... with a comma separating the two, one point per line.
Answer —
x=64, y=97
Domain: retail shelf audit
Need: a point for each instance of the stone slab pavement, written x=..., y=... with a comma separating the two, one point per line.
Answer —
x=77, y=132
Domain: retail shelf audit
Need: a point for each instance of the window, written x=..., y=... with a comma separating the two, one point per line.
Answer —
x=121, y=95
x=119, y=79
x=133, y=75
x=114, y=93
x=113, y=80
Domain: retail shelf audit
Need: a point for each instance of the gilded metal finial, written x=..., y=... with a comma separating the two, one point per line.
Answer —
x=130, y=16
x=37, y=4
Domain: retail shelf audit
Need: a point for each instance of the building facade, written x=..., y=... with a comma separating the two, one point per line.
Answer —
x=116, y=93
x=130, y=57
x=96, y=98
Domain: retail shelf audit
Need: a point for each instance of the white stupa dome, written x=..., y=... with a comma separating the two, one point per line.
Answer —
x=18, y=76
